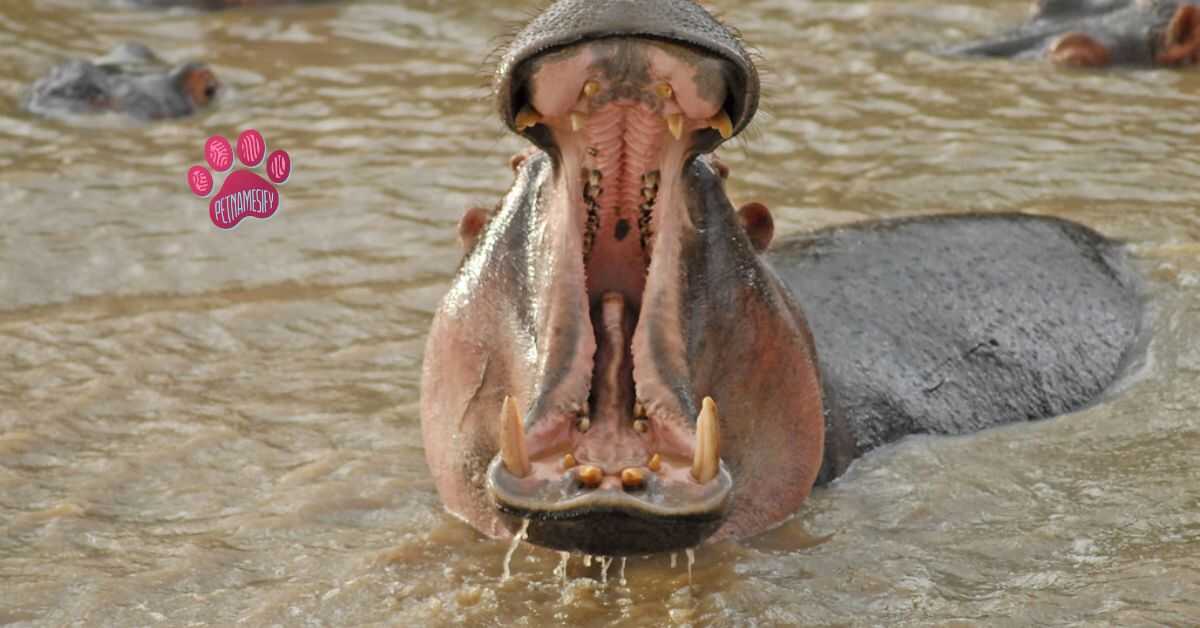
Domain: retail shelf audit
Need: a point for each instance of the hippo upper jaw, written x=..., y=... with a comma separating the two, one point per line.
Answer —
x=681, y=23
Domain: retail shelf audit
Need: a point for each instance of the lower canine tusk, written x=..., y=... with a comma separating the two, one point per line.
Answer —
x=708, y=443
x=512, y=440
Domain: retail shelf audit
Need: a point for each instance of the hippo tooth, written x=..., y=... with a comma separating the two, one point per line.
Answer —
x=528, y=117
x=641, y=426
x=708, y=443
x=632, y=478
x=722, y=124
x=569, y=461
x=664, y=91
x=578, y=120
x=655, y=463
x=512, y=440
x=590, y=476
x=675, y=125
x=585, y=424
x=591, y=88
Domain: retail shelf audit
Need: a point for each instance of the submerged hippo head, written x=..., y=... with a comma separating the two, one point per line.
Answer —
x=129, y=80
x=1104, y=32
x=613, y=363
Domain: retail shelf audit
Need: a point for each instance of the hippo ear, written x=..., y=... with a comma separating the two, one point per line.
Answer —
x=471, y=225
x=1181, y=41
x=756, y=220
x=1080, y=50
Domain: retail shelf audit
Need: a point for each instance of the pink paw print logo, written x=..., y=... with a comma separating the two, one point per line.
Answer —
x=244, y=193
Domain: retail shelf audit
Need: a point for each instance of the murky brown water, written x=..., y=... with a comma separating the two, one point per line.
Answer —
x=201, y=427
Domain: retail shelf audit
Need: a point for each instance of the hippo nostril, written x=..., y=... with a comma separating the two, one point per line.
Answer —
x=590, y=476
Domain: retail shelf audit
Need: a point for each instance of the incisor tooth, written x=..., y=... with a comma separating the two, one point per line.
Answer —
x=569, y=461
x=590, y=476
x=528, y=117
x=655, y=463
x=664, y=91
x=578, y=120
x=722, y=124
x=591, y=88
x=675, y=125
x=632, y=478
x=512, y=440
x=708, y=443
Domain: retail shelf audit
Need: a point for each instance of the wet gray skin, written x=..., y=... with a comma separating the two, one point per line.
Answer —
x=615, y=289
x=1101, y=33
x=131, y=80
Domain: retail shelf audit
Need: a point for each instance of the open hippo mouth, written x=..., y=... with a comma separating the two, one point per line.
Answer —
x=621, y=472
x=615, y=295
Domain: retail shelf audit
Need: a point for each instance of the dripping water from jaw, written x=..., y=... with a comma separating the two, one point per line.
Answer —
x=691, y=554
x=561, y=569
x=512, y=549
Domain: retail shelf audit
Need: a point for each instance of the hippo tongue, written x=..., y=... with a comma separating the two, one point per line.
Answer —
x=612, y=442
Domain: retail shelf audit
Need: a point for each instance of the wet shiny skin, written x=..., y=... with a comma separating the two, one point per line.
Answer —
x=229, y=423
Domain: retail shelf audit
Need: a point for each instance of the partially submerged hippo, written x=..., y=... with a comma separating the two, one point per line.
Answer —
x=129, y=80
x=1103, y=32
x=621, y=366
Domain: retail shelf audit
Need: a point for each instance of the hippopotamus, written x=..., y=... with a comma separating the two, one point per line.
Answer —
x=626, y=364
x=1097, y=33
x=129, y=80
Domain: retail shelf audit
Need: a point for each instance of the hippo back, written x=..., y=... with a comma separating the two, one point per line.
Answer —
x=953, y=324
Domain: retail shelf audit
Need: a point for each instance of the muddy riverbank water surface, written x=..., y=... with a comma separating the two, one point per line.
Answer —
x=201, y=427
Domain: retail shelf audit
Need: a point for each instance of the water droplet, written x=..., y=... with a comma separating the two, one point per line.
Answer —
x=672, y=560
x=512, y=549
x=622, y=578
x=561, y=569
x=691, y=554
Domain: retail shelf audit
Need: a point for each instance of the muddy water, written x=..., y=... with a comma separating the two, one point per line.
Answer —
x=202, y=427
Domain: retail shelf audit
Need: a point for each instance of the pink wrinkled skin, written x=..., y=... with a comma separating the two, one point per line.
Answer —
x=218, y=153
x=244, y=194
x=279, y=167
x=251, y=147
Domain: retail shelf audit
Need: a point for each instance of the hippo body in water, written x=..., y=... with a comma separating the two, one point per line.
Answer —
x=129, y=80
x=1098, y=33
x=623, y=366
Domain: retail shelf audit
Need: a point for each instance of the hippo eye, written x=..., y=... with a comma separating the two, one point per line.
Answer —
x=210, y=91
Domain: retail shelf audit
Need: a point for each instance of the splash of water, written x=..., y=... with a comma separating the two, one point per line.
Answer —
x=561, y=569
x=621, y=579
x=512, y=549
x=672, y=560
x=605, y=563
x=691, y=554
